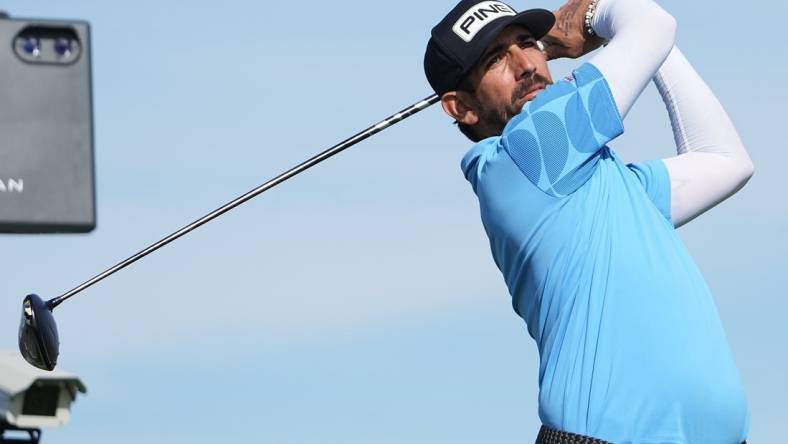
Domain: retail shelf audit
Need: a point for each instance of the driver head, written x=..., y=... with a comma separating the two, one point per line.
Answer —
x=38, y=341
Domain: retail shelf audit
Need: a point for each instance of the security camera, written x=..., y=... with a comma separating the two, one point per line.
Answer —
x=46, y=120
x=31, y=398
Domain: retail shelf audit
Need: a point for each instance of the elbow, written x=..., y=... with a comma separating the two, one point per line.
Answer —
x=743, y=172
x=747, y=171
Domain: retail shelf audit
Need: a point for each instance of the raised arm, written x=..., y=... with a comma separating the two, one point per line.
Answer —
x=712, y=163
x=641, y=36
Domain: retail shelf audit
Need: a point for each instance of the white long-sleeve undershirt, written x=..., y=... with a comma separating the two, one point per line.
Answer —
x=641, y=35
x=712, y=163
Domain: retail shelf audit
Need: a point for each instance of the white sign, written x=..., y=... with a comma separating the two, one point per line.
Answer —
x=479, y=16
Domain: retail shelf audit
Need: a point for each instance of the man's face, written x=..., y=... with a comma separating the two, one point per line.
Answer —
x=510, y=73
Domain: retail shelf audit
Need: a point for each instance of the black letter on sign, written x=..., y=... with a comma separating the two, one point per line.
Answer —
x=492, y=10
x=467, y=24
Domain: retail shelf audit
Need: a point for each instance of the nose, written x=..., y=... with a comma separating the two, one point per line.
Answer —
x=522, y=64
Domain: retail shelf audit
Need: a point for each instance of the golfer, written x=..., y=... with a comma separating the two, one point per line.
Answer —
x=631, y=346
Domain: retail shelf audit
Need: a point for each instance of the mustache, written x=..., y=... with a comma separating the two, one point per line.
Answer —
x=527, y=84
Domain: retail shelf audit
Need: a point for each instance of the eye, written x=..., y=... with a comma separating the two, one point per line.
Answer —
x=526, y=42
x=493, y=60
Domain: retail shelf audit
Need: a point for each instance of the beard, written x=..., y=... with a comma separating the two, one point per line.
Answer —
x=496, y=118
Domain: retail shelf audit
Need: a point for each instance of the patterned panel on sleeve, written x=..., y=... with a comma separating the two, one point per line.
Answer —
x=557, y=139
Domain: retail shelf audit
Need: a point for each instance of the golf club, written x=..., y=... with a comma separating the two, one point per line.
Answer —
x=38, y=338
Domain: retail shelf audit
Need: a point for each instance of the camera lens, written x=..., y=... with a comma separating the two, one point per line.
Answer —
x=32, y=46
x=63, y=47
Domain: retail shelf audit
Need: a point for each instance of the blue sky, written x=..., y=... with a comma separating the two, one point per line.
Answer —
x=359, y=302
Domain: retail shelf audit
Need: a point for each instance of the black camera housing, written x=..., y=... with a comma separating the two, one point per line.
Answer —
x=46, y=127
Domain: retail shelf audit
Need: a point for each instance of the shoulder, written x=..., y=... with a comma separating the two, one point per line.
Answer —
x=557, y=138
x=473, y=161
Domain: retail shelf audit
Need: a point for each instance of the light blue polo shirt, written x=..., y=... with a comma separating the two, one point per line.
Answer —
x=630, y=342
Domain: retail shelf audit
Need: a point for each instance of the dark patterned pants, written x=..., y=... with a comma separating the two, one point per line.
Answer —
x=552, y=436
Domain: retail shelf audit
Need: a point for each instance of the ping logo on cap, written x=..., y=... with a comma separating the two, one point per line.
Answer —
x=478, y=17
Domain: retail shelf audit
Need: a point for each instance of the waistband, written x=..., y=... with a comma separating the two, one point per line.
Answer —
x=552, y=436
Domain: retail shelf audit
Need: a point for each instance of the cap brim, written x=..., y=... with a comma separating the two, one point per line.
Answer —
x=538, y=22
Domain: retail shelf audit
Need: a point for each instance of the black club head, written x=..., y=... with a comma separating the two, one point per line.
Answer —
x=38, y=341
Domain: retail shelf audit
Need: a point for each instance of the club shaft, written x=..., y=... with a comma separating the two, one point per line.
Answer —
x=336, y=149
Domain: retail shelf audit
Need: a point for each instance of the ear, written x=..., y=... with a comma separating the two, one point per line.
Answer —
x=456, y=104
